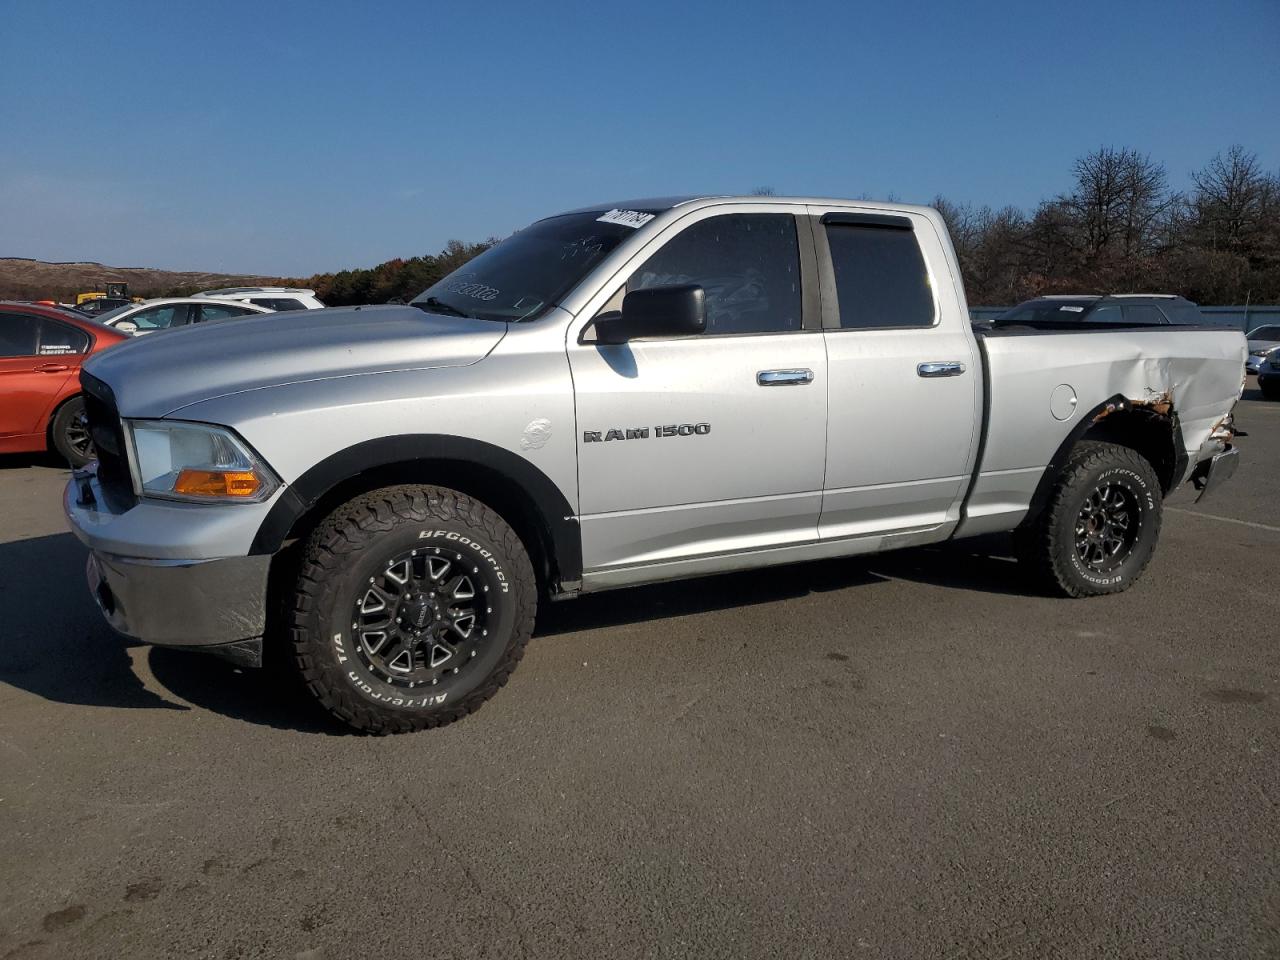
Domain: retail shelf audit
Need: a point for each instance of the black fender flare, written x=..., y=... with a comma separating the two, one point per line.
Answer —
x=554, y=511
x=1115, y=403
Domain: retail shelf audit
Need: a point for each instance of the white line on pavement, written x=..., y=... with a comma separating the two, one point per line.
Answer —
x=1214, y=516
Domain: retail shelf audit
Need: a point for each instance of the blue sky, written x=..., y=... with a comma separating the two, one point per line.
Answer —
x=299, y=137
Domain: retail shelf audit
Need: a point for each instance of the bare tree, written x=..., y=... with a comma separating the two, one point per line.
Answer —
x=1118, y=199
x=1233, y=200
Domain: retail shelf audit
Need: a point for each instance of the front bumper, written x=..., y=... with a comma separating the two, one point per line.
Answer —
x=180, y=603
x=167, y=600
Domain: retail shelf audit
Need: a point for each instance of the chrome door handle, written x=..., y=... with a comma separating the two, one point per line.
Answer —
x=940, y=368
x=783, y=378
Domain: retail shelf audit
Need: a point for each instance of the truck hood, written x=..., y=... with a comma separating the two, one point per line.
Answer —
x=158, y=375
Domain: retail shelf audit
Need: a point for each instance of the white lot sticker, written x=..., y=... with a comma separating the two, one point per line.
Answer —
x=627, y=218
x=1072, y=309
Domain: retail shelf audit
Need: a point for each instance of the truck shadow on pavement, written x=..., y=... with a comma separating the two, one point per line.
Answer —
x=55, y=642
x=57, y=646
x=985, y=565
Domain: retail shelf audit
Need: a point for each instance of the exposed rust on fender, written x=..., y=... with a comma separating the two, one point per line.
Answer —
x=1225, y=429
x=1158, y=403
x=1161, y=403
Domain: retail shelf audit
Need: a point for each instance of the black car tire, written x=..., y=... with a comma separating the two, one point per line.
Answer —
x=366, y=641
x=70, y=434
x=1066, y=548
x=1270, y=389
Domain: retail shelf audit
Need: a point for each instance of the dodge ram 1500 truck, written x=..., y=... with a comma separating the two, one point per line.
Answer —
x=621, y=394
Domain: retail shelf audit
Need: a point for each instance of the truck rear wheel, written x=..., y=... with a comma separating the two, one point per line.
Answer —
x=413, y=606
x=1100, y=528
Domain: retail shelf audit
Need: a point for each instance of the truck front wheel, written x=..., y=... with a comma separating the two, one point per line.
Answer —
x=1100, y=528
x=413, y=606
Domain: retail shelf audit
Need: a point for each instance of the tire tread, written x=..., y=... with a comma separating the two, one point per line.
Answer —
x=1039, y=545
x=349, y=529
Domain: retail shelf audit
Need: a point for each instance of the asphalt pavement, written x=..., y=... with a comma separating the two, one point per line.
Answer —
x=903, y=756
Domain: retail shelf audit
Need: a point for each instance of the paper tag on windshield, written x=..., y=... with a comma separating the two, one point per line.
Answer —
x=627, y=218
x=1071, y=309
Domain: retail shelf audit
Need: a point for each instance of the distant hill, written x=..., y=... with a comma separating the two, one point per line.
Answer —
x=23, y=279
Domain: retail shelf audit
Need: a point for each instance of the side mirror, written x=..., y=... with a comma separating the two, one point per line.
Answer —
x=127, y=326
x=656, y=312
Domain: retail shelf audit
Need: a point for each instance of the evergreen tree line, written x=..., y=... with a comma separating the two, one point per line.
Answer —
x=396, y=280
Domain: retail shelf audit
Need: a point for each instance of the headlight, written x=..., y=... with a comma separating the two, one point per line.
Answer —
x=196, y=462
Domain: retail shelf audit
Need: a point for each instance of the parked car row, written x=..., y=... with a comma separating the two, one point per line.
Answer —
x=168, y=313
x=42, y=346
x=41, y=350
x=275, y=299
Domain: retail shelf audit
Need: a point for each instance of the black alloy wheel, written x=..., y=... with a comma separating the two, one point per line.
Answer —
x=423, y=618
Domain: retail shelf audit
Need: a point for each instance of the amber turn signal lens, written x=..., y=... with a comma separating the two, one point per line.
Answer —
x=217, y=483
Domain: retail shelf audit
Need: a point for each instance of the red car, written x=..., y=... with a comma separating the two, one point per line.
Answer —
x=41, y=349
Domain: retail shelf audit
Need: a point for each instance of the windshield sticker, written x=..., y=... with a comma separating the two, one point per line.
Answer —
x=626, y=218
x=467, y=286
x=1072, y=309
x=55, y=350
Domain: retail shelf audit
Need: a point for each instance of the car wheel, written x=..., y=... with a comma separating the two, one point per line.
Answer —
x=1100, y=528
x=70, y=433
x=413, y=606
x=1270, y=389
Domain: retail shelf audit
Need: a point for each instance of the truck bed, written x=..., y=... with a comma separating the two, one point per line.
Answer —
x=1043, y=387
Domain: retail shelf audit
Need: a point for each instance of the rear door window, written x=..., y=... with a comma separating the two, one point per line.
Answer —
x=1183, y=311
x=19, y=335
x=223, y=311
x=160, y=318
x=881, y=278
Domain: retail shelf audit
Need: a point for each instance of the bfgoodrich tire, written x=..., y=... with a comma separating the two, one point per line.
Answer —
x=413, y=606
x=70, y=434
x=1101, y=526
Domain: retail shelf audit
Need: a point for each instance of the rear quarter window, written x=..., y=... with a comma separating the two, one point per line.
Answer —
x=60, y=339
x=278, y=303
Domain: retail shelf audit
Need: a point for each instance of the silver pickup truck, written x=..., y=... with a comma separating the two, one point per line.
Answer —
x=621, y=394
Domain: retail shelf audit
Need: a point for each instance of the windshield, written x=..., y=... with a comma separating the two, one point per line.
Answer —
x=531, y=271
x=108, y=315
